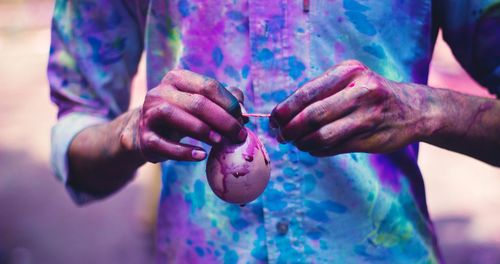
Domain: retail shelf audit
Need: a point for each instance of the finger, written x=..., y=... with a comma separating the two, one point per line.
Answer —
x=355, y=144
x=325, y=85
x=321, y=113
x=155, y=149
x=333, y=134
x=210, y=113
x=167, y=117
x=191, y=82
x=238, y=94
x=241, y=99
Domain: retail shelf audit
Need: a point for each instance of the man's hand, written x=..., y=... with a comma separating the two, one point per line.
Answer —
x=185, y=104
x=352, y=109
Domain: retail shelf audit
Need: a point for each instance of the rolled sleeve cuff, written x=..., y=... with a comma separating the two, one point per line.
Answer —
x=62, y=134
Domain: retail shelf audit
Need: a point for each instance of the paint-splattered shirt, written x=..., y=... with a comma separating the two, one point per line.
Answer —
x=352, y=208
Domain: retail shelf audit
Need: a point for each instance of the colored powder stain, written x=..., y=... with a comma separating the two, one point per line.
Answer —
x=352, y=155
x=192, y=60
x=307, y=159
x=289, y=172
x=370, y=197
x=243, y=27
x=280, y=179
x=353, y=5
x=275, y=200
x=259, y=253
x=318, y=211
x=323, y=245
x=386, y=171
x=375, y=50
x=231, y=257
x=244, y=71
x=361, y=23
x=183, y=7
x=315, y=212
x=232, y=72
x=333, y=207
x=264, y=55
x=289, y=187
x=314, y=235
x=277, y=96
x=216, y=253
x=199, y=251
x=296, y=67
x=189, y=242
x=354, y=11
x=308, y=184
x=235, y=15
x=198, y=197
x=236, y=237
x=239, y=223
x=217, y=56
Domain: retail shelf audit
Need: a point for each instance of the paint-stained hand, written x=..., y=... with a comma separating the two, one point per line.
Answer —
x=186, y=104
x=351, y=109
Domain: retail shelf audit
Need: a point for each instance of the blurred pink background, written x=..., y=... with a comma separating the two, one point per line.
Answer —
x=39, y=223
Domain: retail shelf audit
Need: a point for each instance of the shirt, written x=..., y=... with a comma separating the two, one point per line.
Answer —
x=349, y=208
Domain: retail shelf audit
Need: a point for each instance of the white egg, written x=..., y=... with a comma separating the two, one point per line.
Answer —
x=239, y=173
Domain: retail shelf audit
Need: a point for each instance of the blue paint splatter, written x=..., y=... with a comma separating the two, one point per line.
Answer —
x=317, y=211
x=217, y=56
x=289, y=186
x=275, y=200
x=264, y=54
x=296, y=67
x=315, y=235
x=235, y=15
x=375, y=50
x=183, y=7
x=354, y=11
x=333, y=207
x=198, y=197
x=309, y=183
x=244, y=71
x=353, y=5
x=230, y=257
x=232, y=72
x=361, y=22
x=260, y=253
x=199, y=251
x=236, y=237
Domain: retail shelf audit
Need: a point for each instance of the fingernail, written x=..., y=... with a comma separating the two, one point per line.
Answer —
x=242, y=135
x=214, y=137
x=198, y=154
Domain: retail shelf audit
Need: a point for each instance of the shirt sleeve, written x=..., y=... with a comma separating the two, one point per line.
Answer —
x=472, y=29
x=94, y=54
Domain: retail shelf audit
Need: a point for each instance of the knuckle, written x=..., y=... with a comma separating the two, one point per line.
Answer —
x=166, y=111
x=171, y=76
x=210, y=86
x=316, y=114
x=197, y=102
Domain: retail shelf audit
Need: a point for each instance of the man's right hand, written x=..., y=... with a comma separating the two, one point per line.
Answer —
x=184, y=104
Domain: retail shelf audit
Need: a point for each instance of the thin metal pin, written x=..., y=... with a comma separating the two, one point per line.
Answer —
x=256, y=115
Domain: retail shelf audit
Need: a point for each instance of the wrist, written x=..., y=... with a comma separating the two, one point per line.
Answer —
x=129, y=140
x=431, y=113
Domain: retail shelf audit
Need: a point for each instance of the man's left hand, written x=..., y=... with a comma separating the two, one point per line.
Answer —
x=350, y=108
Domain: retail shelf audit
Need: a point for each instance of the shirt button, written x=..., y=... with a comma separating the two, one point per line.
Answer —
x=282, y=227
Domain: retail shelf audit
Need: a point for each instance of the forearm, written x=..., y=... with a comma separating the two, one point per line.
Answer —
x=102, y=158
x=466, y=124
